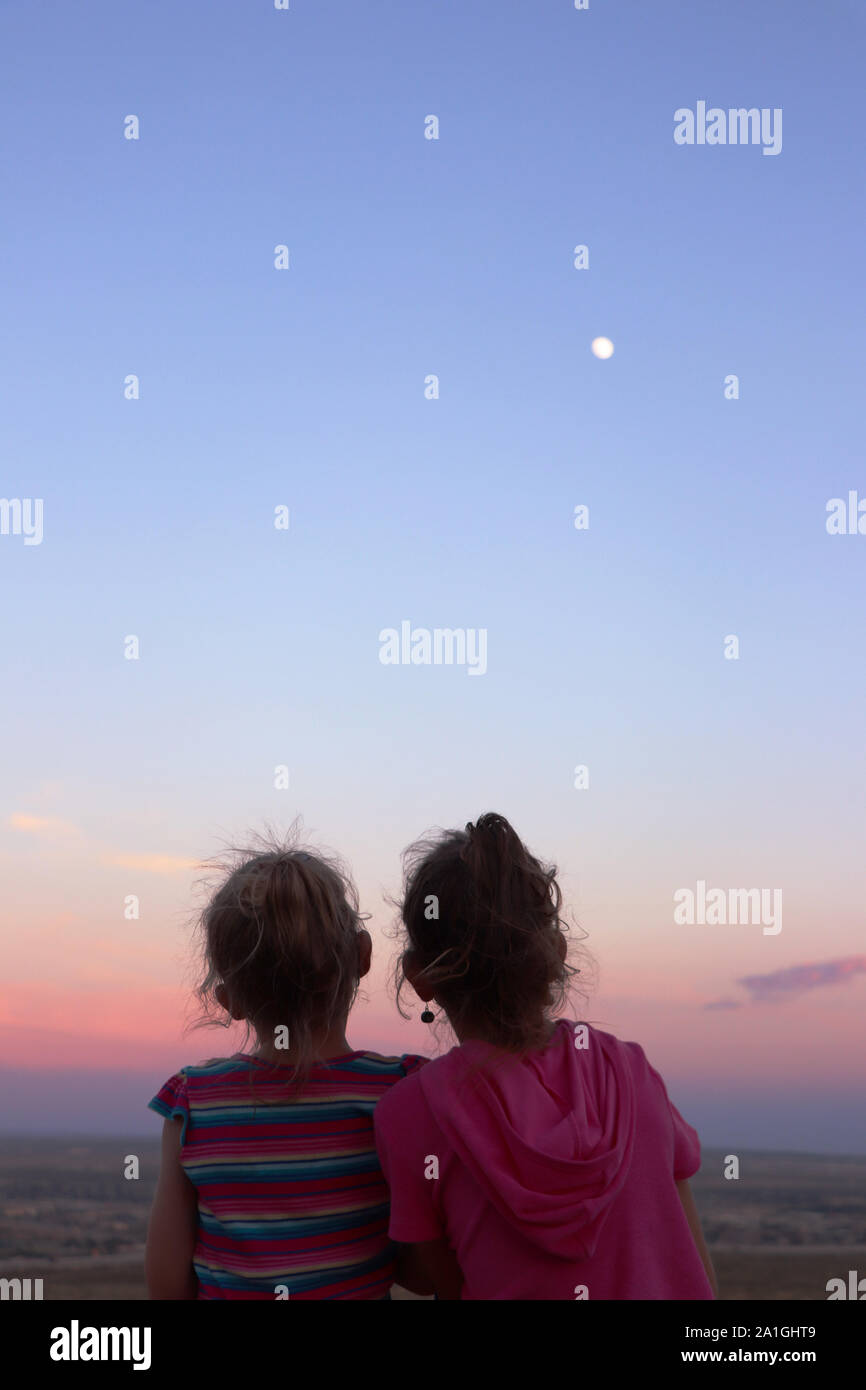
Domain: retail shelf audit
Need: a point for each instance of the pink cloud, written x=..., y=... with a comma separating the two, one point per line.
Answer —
x=799, y=978
x=795, y=980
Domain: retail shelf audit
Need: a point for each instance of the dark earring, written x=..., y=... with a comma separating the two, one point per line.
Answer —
x=427, y=1016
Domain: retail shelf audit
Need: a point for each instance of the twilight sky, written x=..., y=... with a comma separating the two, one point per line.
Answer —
x=305, y=388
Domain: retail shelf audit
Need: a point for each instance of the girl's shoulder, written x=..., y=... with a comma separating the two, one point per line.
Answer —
x=198, y=1075
x=379, y=1063
x=214, y=1066
x=628, y=1058
x=185, y=1077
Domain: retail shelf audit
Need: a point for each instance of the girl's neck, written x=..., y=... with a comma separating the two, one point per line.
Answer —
x=335, y=1044
x=470, y=1035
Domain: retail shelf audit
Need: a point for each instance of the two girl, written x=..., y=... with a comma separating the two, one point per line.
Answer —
x=538, y=1159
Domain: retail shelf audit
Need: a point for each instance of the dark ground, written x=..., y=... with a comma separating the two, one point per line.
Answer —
x=68, y=1216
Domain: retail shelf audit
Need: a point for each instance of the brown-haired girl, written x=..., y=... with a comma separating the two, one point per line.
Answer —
x=537, y=1159
x=270, y=1186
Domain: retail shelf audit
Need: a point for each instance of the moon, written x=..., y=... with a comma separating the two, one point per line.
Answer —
x=602, y=347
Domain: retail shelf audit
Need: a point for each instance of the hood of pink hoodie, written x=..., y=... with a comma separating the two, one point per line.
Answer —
x=548, y=1138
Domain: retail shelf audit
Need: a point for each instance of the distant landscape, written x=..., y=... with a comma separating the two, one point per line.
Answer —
x=68, y=1216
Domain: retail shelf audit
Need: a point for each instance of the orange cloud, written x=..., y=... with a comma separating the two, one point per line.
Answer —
x=146, y=863
x=40, y=825
x=153, y=863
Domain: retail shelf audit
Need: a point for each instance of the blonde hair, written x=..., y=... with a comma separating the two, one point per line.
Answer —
x=280, y=934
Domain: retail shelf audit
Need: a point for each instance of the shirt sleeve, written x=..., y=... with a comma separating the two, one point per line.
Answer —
x=686, y=1144
x=172, y=1100
x=412, y=1062
x=399, y=1140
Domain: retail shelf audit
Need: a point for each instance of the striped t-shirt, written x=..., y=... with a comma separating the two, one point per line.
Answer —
x=291, y=1198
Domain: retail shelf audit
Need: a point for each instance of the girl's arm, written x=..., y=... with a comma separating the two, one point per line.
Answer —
x=691, y=1211
x=410, y=1273
x=171, y=1235
x=430, y=1266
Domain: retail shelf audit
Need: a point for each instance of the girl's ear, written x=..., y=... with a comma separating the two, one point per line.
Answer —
x=415, y=977
x=221, y=995
x=365, y=953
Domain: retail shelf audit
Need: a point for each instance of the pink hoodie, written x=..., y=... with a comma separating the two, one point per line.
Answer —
x=551, y=1177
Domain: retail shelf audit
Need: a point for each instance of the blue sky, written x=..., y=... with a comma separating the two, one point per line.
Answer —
x=306, y=388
